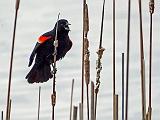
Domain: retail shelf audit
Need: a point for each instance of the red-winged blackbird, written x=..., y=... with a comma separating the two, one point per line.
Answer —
x=44, y=50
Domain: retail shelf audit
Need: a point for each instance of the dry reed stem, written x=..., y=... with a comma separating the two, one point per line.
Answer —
x=2, y=115
x=11, y=58
x=72, y=88
x=80, y=111
x=143, y=91
x=128, y=56
x=114, y=61
x=151, y=10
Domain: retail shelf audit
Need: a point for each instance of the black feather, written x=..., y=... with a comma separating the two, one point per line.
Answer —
x=41, y=70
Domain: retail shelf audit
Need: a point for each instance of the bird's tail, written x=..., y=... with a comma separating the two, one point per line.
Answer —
x=39, y=74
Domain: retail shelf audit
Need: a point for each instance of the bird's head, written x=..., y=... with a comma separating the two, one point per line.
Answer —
x=63, y=25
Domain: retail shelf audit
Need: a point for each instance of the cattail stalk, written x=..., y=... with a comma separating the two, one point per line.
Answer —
x=99, y=64
x=83, y=51
x=86, y=55
x=128, y=54
x=53, y=96
x=70, y=117
x=11, y=59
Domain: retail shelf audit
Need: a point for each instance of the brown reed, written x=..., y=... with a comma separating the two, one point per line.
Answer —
x=11, y=59
x=99, y=64
x=142, y=64
x=114, y=62
x=75, y=108
x=86, y=54
x=151, y=10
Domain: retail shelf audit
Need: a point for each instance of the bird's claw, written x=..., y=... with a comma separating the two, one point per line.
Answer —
x=54, y=53
x=50, y=58
x=54, y=71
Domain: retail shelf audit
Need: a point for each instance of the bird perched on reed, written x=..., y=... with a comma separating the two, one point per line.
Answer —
x=44, y=52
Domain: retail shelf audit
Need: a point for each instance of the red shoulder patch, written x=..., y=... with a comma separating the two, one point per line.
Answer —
x=42, y=39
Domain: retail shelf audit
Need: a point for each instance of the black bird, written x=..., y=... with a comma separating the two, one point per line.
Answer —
x=44, y=52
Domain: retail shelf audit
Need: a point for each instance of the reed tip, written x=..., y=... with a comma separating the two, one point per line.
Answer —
x=17, y=4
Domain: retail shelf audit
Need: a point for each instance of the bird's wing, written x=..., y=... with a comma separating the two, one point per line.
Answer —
x=43, y=38
x=46, y=36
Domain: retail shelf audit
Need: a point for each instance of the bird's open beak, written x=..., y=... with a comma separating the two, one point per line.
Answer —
x=68, y=24
x=66, y=27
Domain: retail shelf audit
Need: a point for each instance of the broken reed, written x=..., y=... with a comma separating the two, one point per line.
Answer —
x=10, y=106
x=75, y=108
x=116, y=107
x=39, y=101
x=80, y=111
x=72, y=88
x=2, y=115
x=11, y=60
